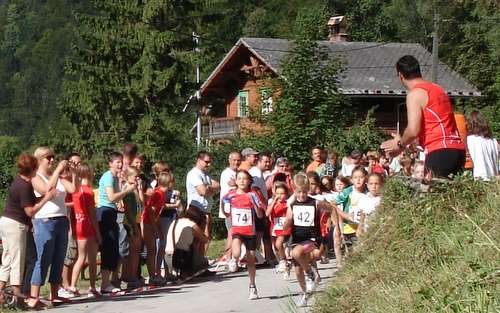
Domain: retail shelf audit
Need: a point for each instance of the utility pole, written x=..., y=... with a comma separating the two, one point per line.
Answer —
x=196, y=40
x=435, y=46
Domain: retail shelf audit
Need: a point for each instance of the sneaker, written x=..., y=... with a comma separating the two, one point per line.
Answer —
x=281, y=268
x=310, y=284
x=324, y=260
x=64, y=293
x=74, y=291
x=110, y=289
x=232, y=265
x=252, y=293
x=302, y=301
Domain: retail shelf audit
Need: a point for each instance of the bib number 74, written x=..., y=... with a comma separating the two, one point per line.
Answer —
x=241, y=217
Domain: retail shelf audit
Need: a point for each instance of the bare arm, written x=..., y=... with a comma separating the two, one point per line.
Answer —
x=270, y=207
x=117, y=196
x=415, y=102
x=288, y=219
x=32, y=210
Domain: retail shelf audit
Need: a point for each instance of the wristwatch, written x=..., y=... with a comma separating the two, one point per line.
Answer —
x=400, y=145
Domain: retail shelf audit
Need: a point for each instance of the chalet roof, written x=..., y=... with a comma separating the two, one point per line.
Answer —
x=369, y=66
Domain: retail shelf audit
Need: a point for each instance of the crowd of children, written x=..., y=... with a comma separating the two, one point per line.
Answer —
x=302, y=215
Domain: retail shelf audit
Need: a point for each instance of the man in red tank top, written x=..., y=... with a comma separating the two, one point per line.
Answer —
x=431, y=120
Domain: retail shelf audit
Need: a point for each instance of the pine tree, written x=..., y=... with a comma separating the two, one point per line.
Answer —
x=131, y=61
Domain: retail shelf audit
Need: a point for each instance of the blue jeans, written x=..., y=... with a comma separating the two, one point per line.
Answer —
x=51, y=241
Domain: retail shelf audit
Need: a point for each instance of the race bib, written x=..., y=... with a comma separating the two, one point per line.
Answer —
x=356, y=214
x=303, y=215
x=241, y=217
x=278, y=223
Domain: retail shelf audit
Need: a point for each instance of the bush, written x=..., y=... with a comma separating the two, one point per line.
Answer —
x=10, y=148
x=437, y=252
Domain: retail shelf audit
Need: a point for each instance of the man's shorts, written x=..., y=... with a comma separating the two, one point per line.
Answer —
x=71, y=251
x=249, y=241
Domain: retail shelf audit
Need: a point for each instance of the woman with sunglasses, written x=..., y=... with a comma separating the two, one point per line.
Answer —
x=50, y=223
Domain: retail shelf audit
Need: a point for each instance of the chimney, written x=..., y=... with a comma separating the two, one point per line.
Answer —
x=338, y=28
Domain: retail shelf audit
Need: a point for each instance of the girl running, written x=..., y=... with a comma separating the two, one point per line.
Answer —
x=88, y=236
x=243, y=206
x=349, y=199
x=303, y=217
x=369, y=203
x=276, y=211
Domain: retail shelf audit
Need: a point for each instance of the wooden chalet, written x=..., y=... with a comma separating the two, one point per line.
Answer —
x=240, y=83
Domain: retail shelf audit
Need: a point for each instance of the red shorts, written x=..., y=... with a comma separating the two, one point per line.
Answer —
x=84, y=229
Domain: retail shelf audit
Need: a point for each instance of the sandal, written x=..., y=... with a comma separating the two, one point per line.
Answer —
x=38, y=305
x=59, y=300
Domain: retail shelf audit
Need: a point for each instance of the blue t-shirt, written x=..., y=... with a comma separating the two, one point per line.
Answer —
x=107, y=180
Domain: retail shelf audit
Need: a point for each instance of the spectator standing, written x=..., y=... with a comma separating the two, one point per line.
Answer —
x=329, y=168
x=50, y=224
x=228, y=183
x=431, y=120
x=74, y=161
x=250, y=157
x=317, y=156
x=483, y=148
x=109, y=196
x=352, y=161
x=15, y=223
x=200, y=189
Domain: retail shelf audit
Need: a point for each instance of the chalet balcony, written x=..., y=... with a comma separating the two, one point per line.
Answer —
x=221, y=128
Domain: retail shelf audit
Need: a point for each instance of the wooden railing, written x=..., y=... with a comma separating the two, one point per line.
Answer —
x=220, y=128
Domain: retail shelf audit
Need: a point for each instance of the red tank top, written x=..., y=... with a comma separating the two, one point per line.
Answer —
x=439, y=130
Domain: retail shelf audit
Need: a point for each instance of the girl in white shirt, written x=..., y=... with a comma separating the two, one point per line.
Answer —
x=483, y=148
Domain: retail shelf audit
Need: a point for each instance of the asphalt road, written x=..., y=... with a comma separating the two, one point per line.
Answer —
x=221, y=293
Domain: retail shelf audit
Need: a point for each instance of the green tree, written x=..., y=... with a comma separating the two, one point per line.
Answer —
x=310, y=105
x=130, y=63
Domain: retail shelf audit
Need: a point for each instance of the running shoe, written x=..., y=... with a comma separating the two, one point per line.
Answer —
x=232, y=265
x=64, y=293
x=302, y=301
x=324, y=260
x=252, y=293
x=310, y=284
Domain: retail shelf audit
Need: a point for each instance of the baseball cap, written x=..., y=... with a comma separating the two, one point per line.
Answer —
x=356, y=154
x=248, y=151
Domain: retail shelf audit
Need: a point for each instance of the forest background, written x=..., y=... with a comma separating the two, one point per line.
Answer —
x=88, y=76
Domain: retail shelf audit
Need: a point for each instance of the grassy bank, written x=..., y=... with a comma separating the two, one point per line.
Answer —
x=437, y=252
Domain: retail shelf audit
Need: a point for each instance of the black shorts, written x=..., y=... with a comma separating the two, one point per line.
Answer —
x=444, y=162
x=249, y=241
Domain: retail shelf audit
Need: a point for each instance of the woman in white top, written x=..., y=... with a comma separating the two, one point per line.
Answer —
x=483, y=148
x=187, y=234
x=50, y=223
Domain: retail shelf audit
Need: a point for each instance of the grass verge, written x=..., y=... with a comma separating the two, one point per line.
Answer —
x=433, y=252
